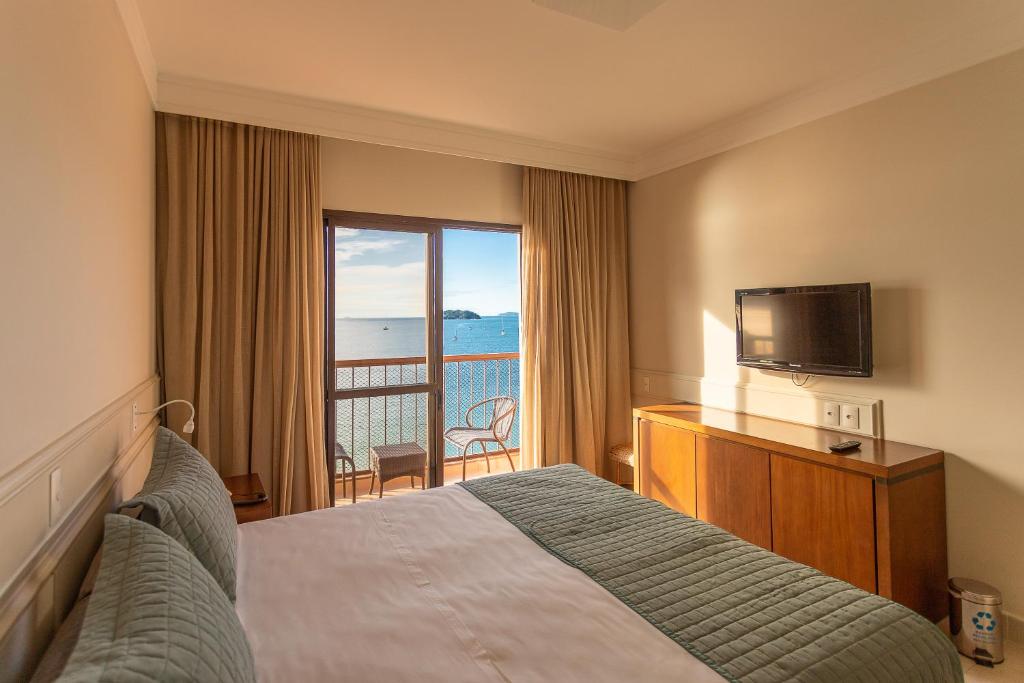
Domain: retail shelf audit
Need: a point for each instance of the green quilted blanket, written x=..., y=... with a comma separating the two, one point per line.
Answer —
x=747, y=613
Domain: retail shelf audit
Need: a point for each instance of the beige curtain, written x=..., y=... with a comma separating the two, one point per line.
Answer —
x=240, y=290
x=575, y=352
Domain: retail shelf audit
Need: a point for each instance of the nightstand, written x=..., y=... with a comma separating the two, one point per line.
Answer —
x=245, y=488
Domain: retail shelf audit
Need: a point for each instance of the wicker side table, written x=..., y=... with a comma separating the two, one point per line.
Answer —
x=397, y=460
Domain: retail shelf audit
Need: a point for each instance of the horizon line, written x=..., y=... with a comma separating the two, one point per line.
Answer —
x=418, y=317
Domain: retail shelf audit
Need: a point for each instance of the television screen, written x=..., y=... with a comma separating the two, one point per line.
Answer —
x=821, y=330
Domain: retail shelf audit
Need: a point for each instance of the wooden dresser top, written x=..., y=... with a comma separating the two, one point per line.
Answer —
x=876, y=457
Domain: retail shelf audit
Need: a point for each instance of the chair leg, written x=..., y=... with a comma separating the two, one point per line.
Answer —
x=487, y=458
x=373, y=478
x=381, y=494
x=353, y=483
x=412, y=481
x=465, y=450
x=507, y=455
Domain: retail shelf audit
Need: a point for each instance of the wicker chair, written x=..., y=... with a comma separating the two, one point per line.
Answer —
x=344, y=459
x=497, y=430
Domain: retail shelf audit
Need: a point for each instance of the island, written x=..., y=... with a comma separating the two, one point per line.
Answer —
x=458, y=314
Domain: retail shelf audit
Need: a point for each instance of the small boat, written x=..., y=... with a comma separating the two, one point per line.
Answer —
x=386, y=327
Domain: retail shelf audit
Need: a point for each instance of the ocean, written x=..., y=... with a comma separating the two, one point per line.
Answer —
x=362, y=423
x=366, y=338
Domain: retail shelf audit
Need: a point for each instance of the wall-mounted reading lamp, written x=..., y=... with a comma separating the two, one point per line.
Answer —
x=188, y=427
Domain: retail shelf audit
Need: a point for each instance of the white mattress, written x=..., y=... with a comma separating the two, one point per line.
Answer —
x=434, y=586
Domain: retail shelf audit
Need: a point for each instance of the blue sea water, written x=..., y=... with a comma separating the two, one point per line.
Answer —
x=362, y=423
x=366, y=337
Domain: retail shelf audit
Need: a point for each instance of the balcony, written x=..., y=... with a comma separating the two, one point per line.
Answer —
x=370, y=421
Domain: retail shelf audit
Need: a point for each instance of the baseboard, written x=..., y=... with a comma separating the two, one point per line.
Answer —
x=103, y=460
x=1014, y=627
x=792, y=405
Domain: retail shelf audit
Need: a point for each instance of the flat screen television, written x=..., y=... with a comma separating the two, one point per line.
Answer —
x=817, y=330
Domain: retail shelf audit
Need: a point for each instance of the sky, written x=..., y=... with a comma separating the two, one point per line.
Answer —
x=381, y=274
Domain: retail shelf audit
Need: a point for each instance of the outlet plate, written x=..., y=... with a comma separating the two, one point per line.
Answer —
x=831, y=410
x=56, y=495
x=645, y=382
x=850, y=416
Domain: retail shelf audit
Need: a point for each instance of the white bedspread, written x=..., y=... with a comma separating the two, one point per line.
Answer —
x=434, y=586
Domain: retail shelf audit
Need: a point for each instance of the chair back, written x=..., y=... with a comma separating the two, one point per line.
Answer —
x=503, y=415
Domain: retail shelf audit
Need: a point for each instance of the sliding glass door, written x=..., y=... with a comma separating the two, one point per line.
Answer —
x=382, y=355
x=401, y=367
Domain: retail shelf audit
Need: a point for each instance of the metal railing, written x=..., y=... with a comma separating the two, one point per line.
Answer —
x=363, y=422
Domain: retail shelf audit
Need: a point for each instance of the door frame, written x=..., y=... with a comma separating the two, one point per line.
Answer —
x=434, y=386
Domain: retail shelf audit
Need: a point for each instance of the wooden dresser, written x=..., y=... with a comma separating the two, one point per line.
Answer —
x=875, y=518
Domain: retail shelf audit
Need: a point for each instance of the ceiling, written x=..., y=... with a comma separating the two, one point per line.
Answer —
x=519, y=81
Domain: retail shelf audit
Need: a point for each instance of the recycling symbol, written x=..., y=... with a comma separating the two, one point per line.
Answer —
x=983, y=621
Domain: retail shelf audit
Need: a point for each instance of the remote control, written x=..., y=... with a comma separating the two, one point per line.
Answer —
x=844, y=446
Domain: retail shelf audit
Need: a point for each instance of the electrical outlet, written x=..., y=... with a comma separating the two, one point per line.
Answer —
x=645, y=381
x=56, y=495
x=851, y=416
x=135, y=417
x=831, y=414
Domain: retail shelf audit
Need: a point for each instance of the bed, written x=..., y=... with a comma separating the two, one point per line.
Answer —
x=555, y=575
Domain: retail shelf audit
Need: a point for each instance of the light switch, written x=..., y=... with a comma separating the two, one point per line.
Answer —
x=851, y=416
x=831, y=414
x=646, y=382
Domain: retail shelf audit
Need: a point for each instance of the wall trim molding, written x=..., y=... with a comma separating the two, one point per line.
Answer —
x=133, y=24
x=182, y=95
x=34, y=573
x=790, y=405
x=17, y=479
x=103, y=460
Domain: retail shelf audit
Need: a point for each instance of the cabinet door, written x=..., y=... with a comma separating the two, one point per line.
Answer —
x=824, y=518
x=734, y=489
x=666, y=466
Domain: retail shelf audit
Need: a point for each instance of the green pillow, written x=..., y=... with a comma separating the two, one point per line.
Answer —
x=156, y=614
x=186, y=498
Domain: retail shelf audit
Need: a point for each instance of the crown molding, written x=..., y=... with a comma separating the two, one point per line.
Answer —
x=970, y=46
x=132, y=20
x=181, y=95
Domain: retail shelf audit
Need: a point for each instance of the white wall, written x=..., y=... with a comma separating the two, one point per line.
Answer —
x=356, y=176
x=76, y=285
x=922, y=194
x=76, y=186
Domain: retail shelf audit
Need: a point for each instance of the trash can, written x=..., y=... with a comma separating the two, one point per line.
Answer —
x=976, y=619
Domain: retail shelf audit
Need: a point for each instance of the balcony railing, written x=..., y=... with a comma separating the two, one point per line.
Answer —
x=370, y=421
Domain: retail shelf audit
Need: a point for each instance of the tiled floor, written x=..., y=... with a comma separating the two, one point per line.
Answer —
x=1011, y=670
x=402, y=486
